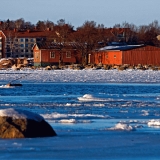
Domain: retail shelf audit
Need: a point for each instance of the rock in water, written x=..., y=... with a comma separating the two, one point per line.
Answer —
x=17, y=123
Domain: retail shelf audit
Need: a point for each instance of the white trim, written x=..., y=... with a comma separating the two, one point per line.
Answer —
x=51, y=54
x=68, y=52
x=89, y=58
x=3, y=33
x=40, y=56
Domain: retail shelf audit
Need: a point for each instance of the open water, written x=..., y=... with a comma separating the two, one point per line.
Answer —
x=92, y=120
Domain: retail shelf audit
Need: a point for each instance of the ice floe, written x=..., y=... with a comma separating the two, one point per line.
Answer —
x=89, y=97
x=55, y=115
x=154, y=122
x=73, y=121
x=123, y=127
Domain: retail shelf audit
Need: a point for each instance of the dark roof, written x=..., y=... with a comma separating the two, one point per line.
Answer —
x=26, y=34
x=54, y=45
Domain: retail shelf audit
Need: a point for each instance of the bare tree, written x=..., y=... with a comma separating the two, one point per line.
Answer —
x=87, y=37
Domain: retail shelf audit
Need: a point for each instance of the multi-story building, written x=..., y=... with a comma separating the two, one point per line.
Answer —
x=16, y=44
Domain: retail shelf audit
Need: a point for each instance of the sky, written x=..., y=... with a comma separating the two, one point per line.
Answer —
x=76, y=12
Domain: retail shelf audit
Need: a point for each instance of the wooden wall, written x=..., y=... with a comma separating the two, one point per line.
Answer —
x=148, y=55
x=108, y=57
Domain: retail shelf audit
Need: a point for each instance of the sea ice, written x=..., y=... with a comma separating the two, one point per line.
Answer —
x=123, y=127
x=154, y=122
x=87, y=75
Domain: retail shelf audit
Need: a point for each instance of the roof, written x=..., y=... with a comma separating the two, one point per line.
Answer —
x=121, y=47
x=54, y=45
x=26, y=34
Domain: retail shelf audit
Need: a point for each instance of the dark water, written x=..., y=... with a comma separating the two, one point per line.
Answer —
x=85, y=116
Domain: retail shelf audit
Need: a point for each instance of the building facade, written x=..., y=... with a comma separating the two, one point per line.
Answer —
x=16, y=44
x=48, y=54
x=128, y=54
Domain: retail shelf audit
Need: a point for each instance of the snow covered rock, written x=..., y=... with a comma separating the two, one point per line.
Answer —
x=16, y=123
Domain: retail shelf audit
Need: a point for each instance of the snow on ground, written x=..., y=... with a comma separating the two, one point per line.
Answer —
x=86, y=75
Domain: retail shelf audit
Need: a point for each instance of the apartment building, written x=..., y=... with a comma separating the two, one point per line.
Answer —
x=16, y=44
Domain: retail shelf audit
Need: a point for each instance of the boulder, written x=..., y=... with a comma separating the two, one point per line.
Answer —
x=17, y=123
x=48, y=68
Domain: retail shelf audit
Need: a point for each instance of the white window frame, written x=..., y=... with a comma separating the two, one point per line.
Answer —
x=68, y=54
x=51, y=54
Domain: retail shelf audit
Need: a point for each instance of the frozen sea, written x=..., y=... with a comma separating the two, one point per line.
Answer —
x=97, y=114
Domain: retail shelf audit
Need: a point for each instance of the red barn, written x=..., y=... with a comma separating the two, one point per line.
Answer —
x=128, y=54
x=51, y=53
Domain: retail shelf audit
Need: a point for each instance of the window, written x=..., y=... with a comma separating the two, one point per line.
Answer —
x=32, y=40
x=38, y=39
x=21, y=50
x=26, y=50
x=106, y=55
x=26, y=45
x=21, y=40
x=115, y=56
x=16, y=40
x=52, y=54
x=22, y=45
x=26, y=39
x=68, y=54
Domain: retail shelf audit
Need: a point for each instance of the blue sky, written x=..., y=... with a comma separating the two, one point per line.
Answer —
x=76, y=12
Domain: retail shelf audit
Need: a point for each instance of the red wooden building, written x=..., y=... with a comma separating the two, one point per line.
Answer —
x=128, y=54
x=52, y=53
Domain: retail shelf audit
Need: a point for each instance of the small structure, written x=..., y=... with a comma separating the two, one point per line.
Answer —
x=127, y=54
x=48, y=54
x=18, y=43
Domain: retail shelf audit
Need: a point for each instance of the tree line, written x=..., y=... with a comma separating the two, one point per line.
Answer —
x=90, y=35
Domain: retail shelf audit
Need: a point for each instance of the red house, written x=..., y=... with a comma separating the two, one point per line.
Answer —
x=52, y=53
x=128, y=54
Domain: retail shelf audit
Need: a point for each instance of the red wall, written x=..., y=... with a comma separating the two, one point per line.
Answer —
x=143, y=55
x=108, y=57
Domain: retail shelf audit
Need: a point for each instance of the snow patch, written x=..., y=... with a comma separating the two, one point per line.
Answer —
x=73, y=121
x=123, y=127
x=89, y=75
x=89, y=97
x=20, y=114
x=67, y=121
x=154, y=122
x=56, y=115
x=145, y=113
